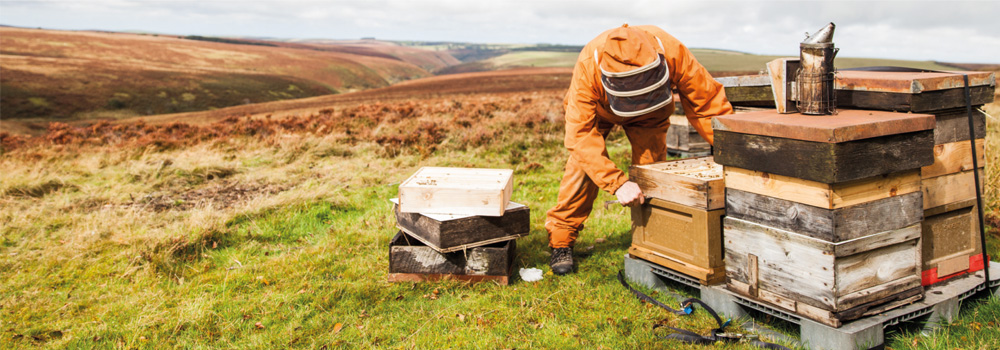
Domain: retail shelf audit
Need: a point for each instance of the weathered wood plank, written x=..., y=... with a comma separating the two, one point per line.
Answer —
x=828, y=196
x=918, y=103
x=833, y=225
x=782, y=73
x=954, y=157
x=457, y=191
x=950, y=188
x=909, y=82
x=408, y=255
x=875, y=241
x=810, y=271
x=878, y=273
x=448, y=233
x=797, y=266
x=847, y=125
x=680, y=237
x=681, y=136
x=695, y=182
x=825, y=162
x=953, y=125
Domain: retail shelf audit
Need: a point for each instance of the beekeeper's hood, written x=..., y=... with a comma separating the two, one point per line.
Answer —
x=633, y=71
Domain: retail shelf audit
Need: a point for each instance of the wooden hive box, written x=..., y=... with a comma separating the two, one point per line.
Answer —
x=448, y=233
x=748, y=90
x=951, y=245
x=468, y=191
x=824, y=195
x=951, y=188
x=412, y=261
x=824, y=281
x=679, y=237
x=849, y=146
x=911, y=91
x=683, y=137
x=953, y=125
x=831, y=225
x=694, y=182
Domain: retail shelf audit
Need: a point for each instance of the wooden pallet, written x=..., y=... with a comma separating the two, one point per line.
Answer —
x=466, y=191
x=450, y=233
x=682, y=238
x=694, y=182
x=821, y=280
x=412, y=261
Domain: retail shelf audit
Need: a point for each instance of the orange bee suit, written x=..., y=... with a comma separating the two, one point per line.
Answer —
x=589, y=119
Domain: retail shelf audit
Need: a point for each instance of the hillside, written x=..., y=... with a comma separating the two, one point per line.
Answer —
x=274, y=232
x=51, y=74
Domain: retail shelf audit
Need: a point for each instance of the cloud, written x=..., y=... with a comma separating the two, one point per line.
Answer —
x=940, y=30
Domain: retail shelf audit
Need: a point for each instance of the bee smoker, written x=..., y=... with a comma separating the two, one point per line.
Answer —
x=815, y=75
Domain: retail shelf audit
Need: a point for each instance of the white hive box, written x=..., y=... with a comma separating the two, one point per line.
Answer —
x=467, y=191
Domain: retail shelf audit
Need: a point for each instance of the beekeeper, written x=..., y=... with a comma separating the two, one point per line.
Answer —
x=626, y=76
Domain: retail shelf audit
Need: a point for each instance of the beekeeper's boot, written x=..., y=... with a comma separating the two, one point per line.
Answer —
x=562, y=261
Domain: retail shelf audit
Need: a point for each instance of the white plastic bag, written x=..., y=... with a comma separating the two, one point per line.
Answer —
x=530, y=274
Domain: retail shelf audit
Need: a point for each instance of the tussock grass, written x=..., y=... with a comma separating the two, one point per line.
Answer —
x=280, y=239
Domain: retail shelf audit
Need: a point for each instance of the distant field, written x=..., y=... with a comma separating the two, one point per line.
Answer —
x=64, y=75
x=713, y=60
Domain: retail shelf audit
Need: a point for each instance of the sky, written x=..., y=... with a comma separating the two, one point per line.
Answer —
x=951, y=31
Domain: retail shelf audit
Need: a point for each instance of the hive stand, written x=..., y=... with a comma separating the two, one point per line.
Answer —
x=941, y=304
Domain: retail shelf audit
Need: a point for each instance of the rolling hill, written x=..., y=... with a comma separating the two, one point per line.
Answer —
x=51, y=74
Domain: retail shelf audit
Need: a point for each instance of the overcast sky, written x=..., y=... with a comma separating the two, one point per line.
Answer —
x=955, y=31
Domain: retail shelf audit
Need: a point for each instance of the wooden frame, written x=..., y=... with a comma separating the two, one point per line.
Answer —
x=824, y=281
x=823, y=195
x=450, y=233
x=457, y=191
x=951, y=188
x=682, y=238
x=825, y=162
x=412, y=261
x=832, y=225
x=950, y=241
x=695, y=182
x=954, y=157
x=681, y=136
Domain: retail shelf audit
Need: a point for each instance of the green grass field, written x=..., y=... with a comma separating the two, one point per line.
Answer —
x=280, y=240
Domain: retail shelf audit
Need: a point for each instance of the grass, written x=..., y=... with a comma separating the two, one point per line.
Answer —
x=280, y=239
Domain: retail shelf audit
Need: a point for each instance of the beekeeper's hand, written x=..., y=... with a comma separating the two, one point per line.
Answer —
x=630, y=194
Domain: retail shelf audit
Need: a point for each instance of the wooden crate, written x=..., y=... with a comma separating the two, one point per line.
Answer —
x=695, y=182
x=953, y=125
x=681, y=136
x=823, y=195
x=832, y=225
x=448, y=233
x=951, y=188
x=849, y=146
x=951, y=245
x=682, y=238
x=412, y=261
x=911, y=91
x=468, y=191
x=954, y=157
x=820, y=280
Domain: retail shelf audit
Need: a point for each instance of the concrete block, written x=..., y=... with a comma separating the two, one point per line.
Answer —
x=855, y=335
x=943, y=313
x=722, y=302
x=638, y=272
